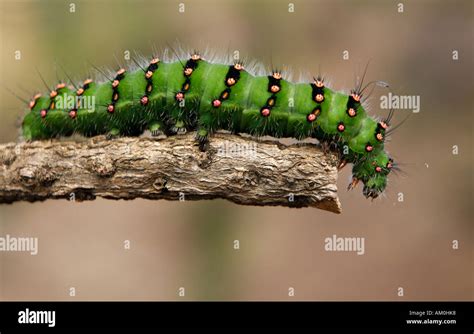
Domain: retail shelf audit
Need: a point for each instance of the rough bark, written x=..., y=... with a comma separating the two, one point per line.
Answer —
x=261, y=173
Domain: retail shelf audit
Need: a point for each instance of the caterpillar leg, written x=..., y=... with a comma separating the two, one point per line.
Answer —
x=113, y=133
x=157, y=129
x=342, y=164
x=353, y=183
x=202, y=138
x=179, y=128
x=209, y=122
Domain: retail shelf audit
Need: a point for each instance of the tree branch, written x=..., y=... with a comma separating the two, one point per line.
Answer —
x=236, y=168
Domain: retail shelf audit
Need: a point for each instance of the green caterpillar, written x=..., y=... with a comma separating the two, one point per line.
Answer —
x=173, y=97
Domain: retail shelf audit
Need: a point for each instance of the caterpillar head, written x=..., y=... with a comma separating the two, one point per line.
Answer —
x=377, y=181
x=373, y=171
x=374, y=186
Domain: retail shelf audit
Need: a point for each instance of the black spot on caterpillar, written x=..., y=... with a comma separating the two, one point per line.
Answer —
x=197, y=95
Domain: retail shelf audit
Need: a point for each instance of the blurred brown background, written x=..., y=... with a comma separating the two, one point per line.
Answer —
x=173, y=244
